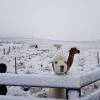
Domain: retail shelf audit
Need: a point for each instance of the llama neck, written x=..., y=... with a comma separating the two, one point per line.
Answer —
x=70, y=60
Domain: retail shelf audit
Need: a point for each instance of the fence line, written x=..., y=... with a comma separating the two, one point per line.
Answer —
x=93, y=96
x=40, y=80
x=72, y=83
x=89, y=78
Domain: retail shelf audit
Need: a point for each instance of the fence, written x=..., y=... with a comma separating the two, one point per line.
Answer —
x=72, y=84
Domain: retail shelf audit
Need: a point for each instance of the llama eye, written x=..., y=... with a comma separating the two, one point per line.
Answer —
x=65, y=62
x=56, y=62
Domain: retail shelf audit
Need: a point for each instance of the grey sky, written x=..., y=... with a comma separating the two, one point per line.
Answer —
x=52, y=19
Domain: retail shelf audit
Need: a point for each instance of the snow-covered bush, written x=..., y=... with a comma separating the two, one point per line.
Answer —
x=58, y=46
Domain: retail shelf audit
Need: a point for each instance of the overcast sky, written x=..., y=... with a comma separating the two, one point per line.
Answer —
x=50, y=19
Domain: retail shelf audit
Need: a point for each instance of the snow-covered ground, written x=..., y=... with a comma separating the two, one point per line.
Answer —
x=38, y=60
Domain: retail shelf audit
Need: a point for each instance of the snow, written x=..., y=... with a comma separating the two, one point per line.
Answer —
x=90, y=77
x=72, y=94
x=32, y=60
x=93, y=96
x=24, y=98
x=37, y=80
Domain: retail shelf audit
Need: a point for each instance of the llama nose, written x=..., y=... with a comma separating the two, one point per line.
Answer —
x=62, y=68
x=78, y=51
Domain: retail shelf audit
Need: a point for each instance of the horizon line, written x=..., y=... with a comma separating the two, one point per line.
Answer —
x=20, y=37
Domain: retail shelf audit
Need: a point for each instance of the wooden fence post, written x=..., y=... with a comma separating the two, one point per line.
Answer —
x=4, y=51
x=98, y=60
x=15, y=66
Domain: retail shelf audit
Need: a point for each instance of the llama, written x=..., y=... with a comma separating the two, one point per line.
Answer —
x=3, y=88
x=61, y=66
x=72, y=53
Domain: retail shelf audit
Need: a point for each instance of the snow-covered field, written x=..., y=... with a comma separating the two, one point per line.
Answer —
x=30, y=59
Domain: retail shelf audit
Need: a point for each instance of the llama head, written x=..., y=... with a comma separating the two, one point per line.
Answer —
x=59, y=64
x=74, y=50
